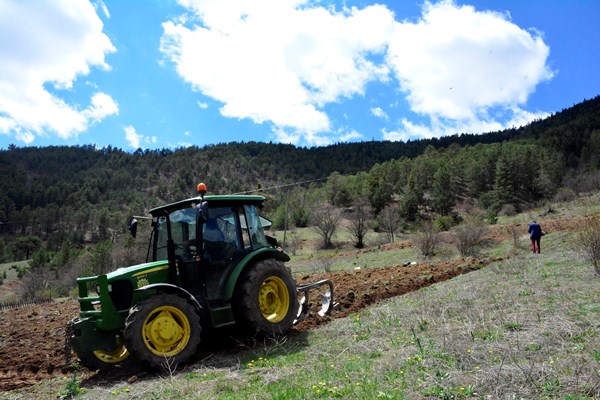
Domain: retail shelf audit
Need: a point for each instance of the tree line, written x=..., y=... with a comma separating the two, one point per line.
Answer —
x=83, y=194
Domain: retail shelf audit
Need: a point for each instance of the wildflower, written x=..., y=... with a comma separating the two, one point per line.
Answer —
x=468, y=351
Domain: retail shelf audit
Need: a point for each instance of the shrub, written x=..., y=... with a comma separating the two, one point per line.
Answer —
x=444, y=223
x=469, y=236
x=588, y=242
x=565, y=194
x=491, y=217
x=427, y=239
x=508, y=210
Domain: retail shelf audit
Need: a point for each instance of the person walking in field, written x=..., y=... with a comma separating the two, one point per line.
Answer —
x=535, y=234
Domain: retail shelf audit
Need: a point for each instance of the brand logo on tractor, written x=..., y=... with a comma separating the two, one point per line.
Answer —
x=142, y=282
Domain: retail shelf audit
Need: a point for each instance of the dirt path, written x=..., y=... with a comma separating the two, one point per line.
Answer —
x=32, y=338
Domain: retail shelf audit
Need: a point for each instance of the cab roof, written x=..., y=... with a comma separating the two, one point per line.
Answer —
x=211, y=199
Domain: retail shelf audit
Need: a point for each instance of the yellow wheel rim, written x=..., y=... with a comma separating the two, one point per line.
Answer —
x=166, y=331
x=112, y=357
x=274, y=299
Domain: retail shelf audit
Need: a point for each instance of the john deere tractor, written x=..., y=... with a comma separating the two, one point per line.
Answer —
x=209, y=265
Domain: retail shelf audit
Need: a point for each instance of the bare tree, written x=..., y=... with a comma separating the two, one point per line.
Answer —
x=427, y=239
x=360, y=222
x=389, y=220
x=469, y=236
x=325, y=220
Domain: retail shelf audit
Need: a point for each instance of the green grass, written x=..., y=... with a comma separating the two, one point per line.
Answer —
x=526, y=327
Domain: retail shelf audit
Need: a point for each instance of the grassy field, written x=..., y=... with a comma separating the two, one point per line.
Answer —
x=527, y=327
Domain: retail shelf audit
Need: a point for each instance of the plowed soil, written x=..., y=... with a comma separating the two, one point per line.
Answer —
x=32, y=338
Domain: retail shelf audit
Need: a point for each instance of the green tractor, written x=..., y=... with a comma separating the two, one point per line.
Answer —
x=209, y=265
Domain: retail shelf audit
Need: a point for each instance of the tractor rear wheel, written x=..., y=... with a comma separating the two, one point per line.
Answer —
x=163, y=329
x=265, y=301
x=102, y=359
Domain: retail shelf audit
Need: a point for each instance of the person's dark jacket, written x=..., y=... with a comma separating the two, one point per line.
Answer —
x=535, y=230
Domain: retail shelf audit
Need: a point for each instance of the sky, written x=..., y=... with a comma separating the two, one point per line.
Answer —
x=172, y=74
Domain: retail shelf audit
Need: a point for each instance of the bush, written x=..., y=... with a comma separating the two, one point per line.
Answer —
x=565, y=194
x=588, y=242
x=508, y=210
x=491, y=217
x=444, y=223
x=469, y=236
x=427, y=239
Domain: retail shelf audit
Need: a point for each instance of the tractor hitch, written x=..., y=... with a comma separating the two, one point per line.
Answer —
x=303, y=298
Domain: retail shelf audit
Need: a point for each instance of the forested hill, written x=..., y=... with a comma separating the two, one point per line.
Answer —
x=574, y=132
x=83, y=189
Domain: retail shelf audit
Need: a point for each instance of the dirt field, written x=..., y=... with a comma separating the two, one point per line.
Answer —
x=32, y=338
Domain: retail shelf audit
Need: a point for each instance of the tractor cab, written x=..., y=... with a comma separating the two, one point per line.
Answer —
x=204, y=238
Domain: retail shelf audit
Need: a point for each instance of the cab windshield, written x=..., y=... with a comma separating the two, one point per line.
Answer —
x=239, y=226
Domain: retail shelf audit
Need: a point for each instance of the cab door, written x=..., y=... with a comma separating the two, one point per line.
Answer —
x=223, y=246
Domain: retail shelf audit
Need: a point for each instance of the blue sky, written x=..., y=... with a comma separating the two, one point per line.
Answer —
x=169, y=74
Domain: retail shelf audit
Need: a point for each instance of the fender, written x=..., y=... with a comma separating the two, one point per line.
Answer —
x=170, y=288
x=260, y=254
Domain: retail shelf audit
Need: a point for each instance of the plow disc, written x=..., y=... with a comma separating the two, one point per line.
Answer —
x=324, y=291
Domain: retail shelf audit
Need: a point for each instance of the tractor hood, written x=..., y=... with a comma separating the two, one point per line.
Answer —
x=138, y=270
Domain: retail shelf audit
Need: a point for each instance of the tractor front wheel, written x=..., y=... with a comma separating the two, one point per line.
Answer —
x=102, y=359
x=265, y=301
x=163, y=329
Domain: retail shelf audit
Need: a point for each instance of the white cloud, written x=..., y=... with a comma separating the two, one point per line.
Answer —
x=379, y=113
x=455, y=64
x=51, y=43
x=351, y=135
x=316, y=57
x=282, y=136
x=132, y=137
x=102, y=106
x=137, y=140
x=102, y=6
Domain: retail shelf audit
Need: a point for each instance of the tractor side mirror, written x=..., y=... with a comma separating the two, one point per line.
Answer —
x=201, y=213
x=133, y=227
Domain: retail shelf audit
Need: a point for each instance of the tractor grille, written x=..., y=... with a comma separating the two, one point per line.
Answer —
x=121, y=294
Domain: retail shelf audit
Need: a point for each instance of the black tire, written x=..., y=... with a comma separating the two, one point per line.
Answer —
x=163, y=329
x=101, y=359
x=265, y=301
